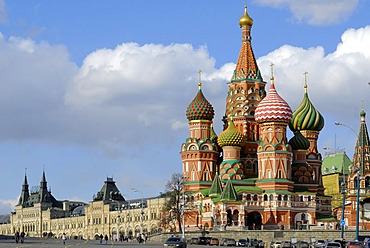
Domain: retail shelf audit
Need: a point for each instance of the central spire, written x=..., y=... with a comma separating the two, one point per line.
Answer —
x=246, y=67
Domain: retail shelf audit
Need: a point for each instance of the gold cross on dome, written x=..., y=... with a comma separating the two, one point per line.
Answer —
x=200, y=79
x=272, y=72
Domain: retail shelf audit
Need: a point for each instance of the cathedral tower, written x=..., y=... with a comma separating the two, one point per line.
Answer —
x=274, y=156
x=310, y=122
x=200, y=151
x=245, y=91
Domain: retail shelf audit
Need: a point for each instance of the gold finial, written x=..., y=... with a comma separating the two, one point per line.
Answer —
x=272, y=73
x=305, y=81
x=200, y=79
x=245, y=20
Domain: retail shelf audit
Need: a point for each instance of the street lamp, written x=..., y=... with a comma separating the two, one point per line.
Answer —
x=142, y=211
x=357, y=170
x=343, y=192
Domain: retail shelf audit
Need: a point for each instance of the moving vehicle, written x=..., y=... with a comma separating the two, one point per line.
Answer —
x=175, y=242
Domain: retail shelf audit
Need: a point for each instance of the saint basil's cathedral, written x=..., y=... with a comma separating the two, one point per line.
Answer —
x=250, y=176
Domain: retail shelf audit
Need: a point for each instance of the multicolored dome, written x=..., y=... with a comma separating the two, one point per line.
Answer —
x=231, y=136
x=273, y=108
x=200, y=108
x=299, y=142
x=306, y=117
x=245, y=20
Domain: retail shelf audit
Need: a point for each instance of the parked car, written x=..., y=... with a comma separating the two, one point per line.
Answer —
x=202, y=241
x=214, y=241
x=194, y=241
x=228, y=242
x=275, y=244
x=242, y=242
x=302, y=244
x=176, y=242
x=333, y=245
x=320, y=243
x=286, y=244
x=354, y=244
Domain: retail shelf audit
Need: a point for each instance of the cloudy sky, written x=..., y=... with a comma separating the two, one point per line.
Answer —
x=95, y=89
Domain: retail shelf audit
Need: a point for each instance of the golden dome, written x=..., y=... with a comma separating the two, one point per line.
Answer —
x=245, y=20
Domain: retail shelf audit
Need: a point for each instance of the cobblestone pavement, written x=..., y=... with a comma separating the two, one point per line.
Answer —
x=39, y=243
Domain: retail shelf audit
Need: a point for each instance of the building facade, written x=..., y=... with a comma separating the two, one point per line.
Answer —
x=39, y=214
x=357, y=197
x=251, y=176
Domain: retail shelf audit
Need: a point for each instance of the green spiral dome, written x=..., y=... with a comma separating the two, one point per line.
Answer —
x=299, y=142
x=200, y=108
x=306, y=117
x=231, y=136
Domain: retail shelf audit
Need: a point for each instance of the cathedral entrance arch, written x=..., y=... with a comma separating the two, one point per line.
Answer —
x=254, y=221
x=302, y=220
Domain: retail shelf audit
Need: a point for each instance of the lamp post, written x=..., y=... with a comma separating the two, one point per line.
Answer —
x=357, y=170
x=141, y=211
x=343, y=191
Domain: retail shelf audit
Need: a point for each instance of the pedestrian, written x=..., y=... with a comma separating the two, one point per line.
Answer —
x=101, y=238
x=22, y=237
x=17, y=237
x=64, y=238
x=106, y=238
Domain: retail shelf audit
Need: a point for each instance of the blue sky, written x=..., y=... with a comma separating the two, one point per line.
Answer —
x=91, y=89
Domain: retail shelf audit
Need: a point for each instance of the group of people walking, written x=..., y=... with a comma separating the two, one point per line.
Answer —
x=19, y=237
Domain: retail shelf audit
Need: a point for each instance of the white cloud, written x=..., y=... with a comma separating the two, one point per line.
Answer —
x=315, y=12
x=331, y=78
x=6, y=206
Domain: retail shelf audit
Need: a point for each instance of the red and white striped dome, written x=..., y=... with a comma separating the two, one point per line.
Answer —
x=273, y=108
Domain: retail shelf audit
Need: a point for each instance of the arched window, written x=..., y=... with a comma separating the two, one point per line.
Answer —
x=248, y=197
x=367, y=182
x=265, y=197
x=279, y=198
x=255, y=198
x=285, y=198
x=271, y=197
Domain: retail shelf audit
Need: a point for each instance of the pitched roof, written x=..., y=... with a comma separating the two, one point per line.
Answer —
x=334, y=162
x=229, y=193
x=216, y=188
x=109, y=192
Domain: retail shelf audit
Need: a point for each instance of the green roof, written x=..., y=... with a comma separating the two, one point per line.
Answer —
x=216, y=188
x=229, y=193
x=333, y=163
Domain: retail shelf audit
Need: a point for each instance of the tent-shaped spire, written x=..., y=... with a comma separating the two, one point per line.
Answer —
x=229, y=193
x=216, y=188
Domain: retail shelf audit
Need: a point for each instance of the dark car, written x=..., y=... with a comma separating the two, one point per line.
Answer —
x=202, y=241
x=242, y=242
x=194, y=241
x=176, y=242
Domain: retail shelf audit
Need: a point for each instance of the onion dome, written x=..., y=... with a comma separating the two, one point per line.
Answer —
x=306, y=117
x=231, y=136
x=273, y=108
x=200, y=108
x=299, y=142
x=245, y=20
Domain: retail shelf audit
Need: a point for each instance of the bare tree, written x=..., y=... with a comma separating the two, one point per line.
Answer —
x=173, y=206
